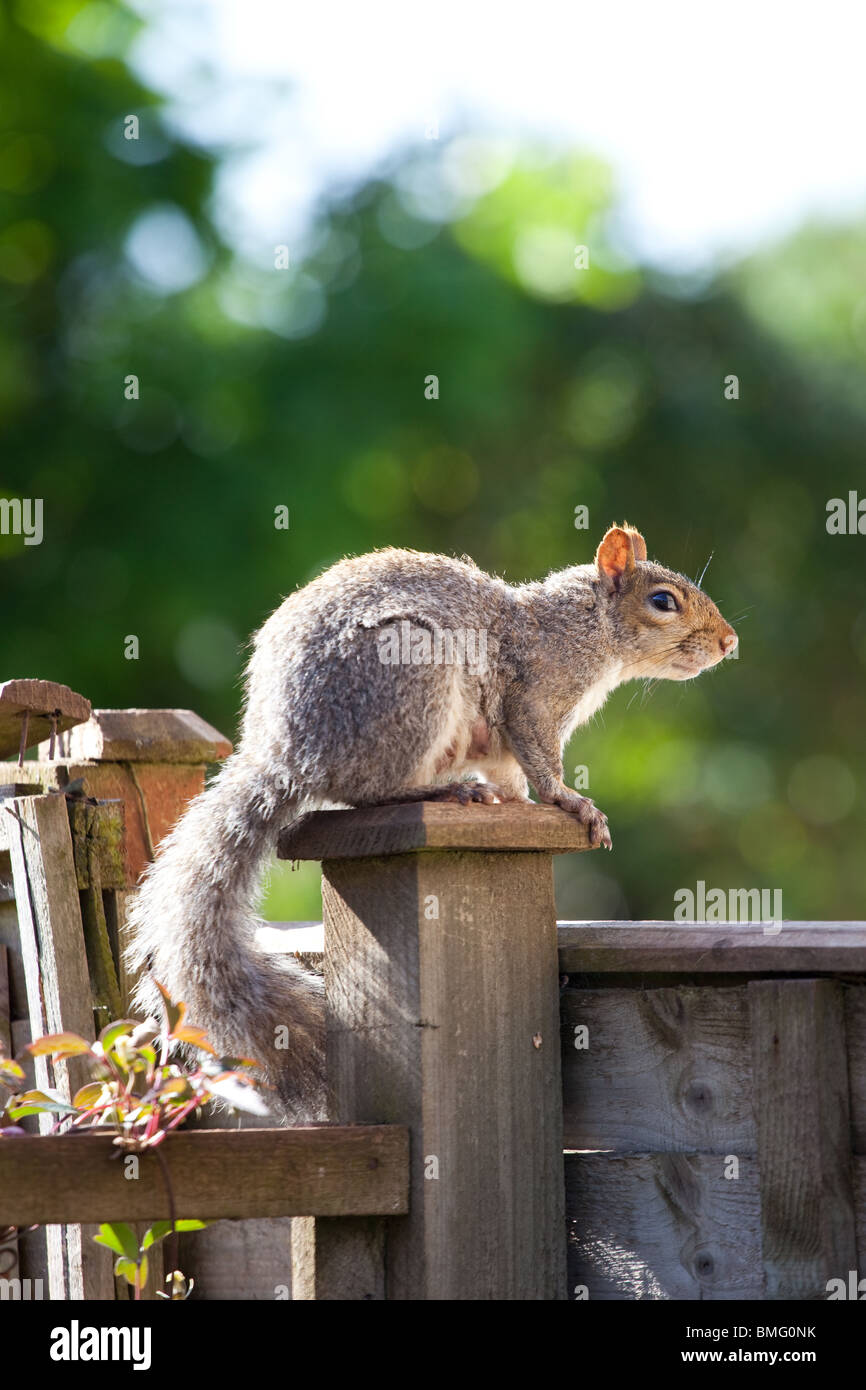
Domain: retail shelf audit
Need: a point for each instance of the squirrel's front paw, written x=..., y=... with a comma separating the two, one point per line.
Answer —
x=589, y=815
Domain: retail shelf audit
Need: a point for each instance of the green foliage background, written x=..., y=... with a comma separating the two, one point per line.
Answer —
x=558, y=388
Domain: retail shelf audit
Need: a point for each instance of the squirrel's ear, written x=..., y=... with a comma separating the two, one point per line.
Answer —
x=637, y=540
x=618, y=553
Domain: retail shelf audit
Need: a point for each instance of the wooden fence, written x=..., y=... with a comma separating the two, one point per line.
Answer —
x=521, y=1110
x=715, y=1108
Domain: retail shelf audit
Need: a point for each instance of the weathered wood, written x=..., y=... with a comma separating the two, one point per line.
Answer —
x=663, y=1226
x=38, y=700
x=117, y=907
x=855, y=1038
x=663, y=948
x=104, y=989
x=15, y=964
x=10, y=1265
x=33, y=1245
x=859, y=1171
x=320, y=1170
x=145, y=735
x=804, y=1138
x=97, y=847
x=7, y=891
x=154, y=796
x=431, y=825
x=339, y=1260
x=657, y=1070
x=98, y=835
x=668, y=947
x=249, y=1260
x=58, y=992
x=440, y=974
x=5, y=1005
x=51, y=935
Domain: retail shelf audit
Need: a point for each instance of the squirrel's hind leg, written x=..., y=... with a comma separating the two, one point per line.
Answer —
x=487, y=793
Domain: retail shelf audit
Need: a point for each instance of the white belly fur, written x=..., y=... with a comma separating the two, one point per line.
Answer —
x=591, y=702
x=454, y=736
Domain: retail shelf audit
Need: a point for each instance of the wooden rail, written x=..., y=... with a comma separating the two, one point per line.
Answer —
x=322, y=1170
x=712, y=947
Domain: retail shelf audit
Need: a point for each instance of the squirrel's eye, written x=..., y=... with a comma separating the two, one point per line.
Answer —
x=664, y=601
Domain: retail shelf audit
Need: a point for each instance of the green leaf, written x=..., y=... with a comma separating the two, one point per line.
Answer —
x=120, y=1238
x=113, y=1031
x=160, y=1229
x=38, y=1102
x=127, y=1269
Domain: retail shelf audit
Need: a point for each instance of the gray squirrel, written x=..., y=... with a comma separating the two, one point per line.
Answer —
x=389, y=678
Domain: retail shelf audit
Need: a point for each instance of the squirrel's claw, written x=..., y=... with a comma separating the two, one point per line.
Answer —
x=589, y=815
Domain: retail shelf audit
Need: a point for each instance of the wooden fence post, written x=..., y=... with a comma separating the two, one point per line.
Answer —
x=442, y=988
x=58, y=992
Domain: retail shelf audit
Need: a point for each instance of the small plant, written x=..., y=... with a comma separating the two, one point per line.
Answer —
x=131, y=1263
x=141, y=1090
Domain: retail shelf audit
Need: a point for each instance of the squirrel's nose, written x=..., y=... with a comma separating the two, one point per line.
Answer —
x=728, y=642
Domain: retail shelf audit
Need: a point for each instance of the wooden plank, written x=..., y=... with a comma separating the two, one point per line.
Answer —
x=431, y=825
x=855, y=1037
x=657, y=1070
x=145, y=735
x=339, y=1260
x=7, y=890
x=859, y=1168
x=38, y=700
x=317, y=1170
x=442, y=1001
x=15, y=964
x=670, y=947
x=800, y=1092
x=58, y=992
x=33, y=1245
x=5, y=1005
x=10, y=1263
x=662, y=1226
x=52, y=940
x=247, y=1260
x=98, y=834
x=241, y=1261
x=97, y=848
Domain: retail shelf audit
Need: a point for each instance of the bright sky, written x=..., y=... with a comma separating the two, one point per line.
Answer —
x=726, y=124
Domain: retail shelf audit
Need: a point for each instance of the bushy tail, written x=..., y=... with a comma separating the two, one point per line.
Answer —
x=192, y=929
